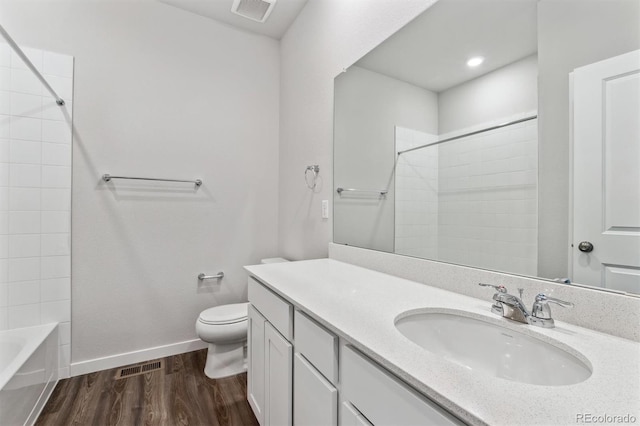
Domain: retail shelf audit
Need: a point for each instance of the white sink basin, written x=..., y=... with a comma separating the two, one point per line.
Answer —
x=487, y=347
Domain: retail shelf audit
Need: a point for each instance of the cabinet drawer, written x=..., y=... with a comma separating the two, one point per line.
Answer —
x=385, y=400
x=318, y=345
x=278, y=312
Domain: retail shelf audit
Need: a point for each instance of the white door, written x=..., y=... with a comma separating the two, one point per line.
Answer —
x=606, y=177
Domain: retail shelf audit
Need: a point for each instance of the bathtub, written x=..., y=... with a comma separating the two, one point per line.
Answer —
x=28, y=372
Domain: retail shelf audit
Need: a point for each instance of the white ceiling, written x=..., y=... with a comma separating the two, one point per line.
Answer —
x=281, y=18
x=432, y=51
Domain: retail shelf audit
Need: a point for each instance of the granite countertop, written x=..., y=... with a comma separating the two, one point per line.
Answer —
x=361, y=306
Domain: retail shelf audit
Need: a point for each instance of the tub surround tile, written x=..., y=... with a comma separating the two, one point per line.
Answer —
x=23, y=293
x=24, y=222
x=24, y=269
x=59, y=311
x=64, y=331
x=34, y=55
x=55, y=245
x=4, y=150
x=55, y=267
x=27, y=245
x=4, y=174
x=25, y=152
x=55, y=289
x=24, y=81
x=24, y=199
x=23, y=315
x=26, y=105
x=24, y=175
x=55, y=221
x=56, y=131
x=4, y=223
x=35, y=192
x=56, y=199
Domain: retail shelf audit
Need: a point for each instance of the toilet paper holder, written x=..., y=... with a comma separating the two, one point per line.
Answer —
x=217, y=276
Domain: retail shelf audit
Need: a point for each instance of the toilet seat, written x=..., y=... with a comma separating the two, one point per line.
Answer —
x=224, y=314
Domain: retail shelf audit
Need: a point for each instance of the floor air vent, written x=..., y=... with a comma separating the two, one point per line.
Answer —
x=136, y=370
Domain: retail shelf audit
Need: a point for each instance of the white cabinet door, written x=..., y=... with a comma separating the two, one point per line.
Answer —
x=606, y=179
x=278, y=354
x=255, y=363
x=315, y=401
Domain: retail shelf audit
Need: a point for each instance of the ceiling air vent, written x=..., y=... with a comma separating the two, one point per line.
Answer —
x=256, y=10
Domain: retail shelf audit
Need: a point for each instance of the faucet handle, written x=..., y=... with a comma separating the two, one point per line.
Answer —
x=496, y=308
x=541, y=312
x=499, y=288
x=543, y=299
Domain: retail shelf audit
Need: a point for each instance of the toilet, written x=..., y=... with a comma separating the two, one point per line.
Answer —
x=224, y=328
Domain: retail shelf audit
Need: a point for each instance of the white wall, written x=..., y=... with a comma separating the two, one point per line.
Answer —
x=35, y=194
x=572, y=33
x=368, y=107
x=505, y=92
x=327, y=36
x=161, y=93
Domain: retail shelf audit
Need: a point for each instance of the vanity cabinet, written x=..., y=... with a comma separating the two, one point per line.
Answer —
x=269, y=357
x=305, y=375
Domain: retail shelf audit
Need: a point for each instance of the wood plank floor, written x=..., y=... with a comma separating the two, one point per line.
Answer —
x=180, y=394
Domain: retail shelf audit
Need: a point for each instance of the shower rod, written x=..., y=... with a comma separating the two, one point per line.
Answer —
x=30, y=65
x=499, y=126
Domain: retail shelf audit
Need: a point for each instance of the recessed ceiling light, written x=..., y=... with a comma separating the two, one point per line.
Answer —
x=475, y=61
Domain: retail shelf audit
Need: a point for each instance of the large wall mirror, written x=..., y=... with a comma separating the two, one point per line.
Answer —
x=498, y=134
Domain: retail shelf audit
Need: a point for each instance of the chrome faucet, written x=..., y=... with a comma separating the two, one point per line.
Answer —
x=512, y=307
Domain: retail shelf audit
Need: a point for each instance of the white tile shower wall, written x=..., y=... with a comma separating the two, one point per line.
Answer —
x=488, y=199
x=35, y=194
x=416, y=224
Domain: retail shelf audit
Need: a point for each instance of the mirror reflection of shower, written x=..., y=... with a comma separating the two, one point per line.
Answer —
x=469, y=197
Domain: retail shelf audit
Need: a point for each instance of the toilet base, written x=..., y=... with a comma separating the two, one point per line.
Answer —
x=226, y=360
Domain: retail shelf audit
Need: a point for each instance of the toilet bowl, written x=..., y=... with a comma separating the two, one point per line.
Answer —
x=224, y=328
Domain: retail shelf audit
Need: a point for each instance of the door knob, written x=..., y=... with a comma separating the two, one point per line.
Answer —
x=585, y=247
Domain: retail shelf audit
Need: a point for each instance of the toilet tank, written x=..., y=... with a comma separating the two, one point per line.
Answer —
x=274, y=260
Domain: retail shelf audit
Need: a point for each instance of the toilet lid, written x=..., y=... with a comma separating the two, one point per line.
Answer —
x=225, y=314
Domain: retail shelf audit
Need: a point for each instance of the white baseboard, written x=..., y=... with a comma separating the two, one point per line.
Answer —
x=113, y=361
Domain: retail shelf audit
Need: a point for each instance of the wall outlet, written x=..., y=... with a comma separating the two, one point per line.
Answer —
x=325, y=209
